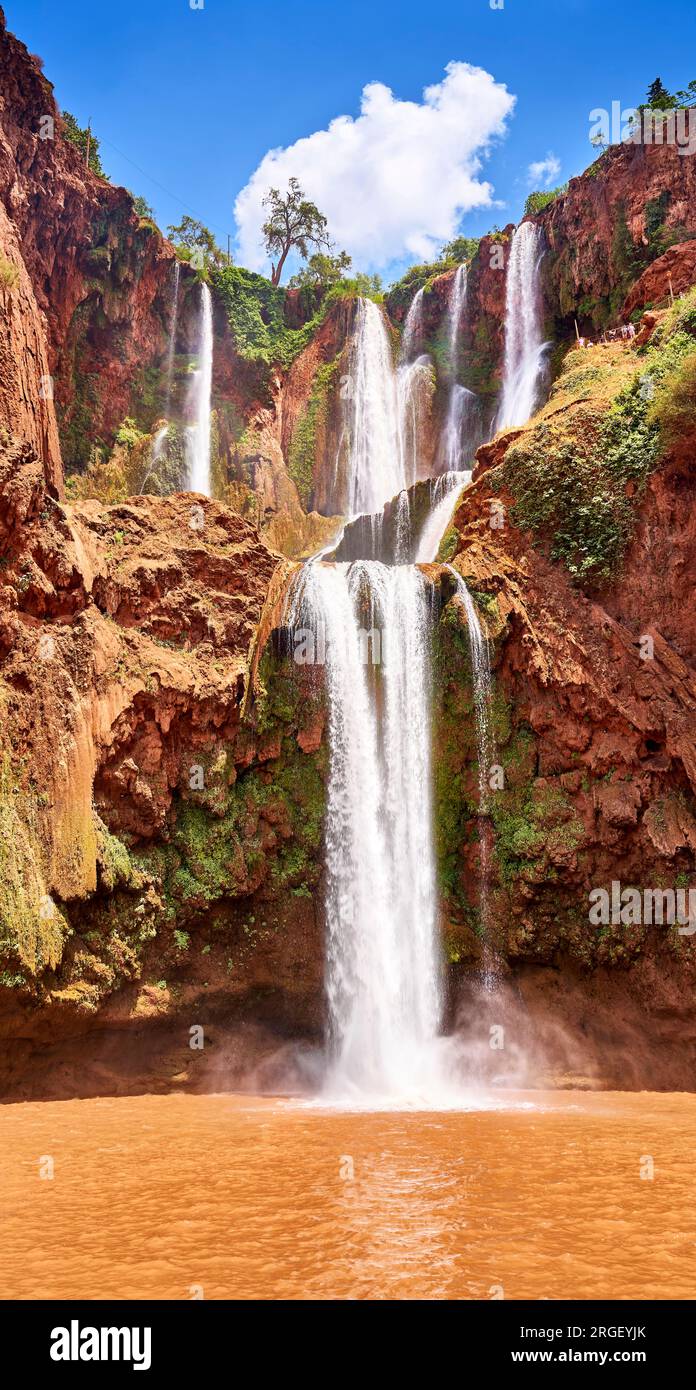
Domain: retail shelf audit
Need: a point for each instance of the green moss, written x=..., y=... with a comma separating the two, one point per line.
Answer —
x=32, y=926
x=573, y=491
x=255, y=311
x=302, y=451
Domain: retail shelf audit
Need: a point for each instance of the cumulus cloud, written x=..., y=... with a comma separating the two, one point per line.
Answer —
x=394, y=181
x=543, y=172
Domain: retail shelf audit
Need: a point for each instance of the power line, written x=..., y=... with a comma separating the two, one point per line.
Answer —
x=157, y=184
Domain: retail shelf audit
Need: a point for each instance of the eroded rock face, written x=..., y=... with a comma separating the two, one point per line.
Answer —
x=148, y=808
x=594, y=717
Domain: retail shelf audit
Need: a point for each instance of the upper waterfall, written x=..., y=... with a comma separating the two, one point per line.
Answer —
x=525, y=350
x=375, y=466
x=198, y=434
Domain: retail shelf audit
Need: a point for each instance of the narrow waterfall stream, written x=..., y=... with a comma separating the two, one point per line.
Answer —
x=375, y=472
x=198, y=434
x=444, y=497
x=171, y=347
x=374, y=622
x=525, y=350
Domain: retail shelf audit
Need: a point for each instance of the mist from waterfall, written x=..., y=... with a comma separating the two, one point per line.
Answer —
x=199, y=403
x=525, y=351
x=383, y=959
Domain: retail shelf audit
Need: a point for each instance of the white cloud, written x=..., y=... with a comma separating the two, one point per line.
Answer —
x=396, y=180
x=543, y=172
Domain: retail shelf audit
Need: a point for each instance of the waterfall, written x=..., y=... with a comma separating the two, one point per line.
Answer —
x=413, y=386
x=375, y=472
x=198, y=433
x=383, y=965
x=155, y=454
x=456, y=306
x=372, y=623
x=481, y=680
x=173, y=317
x=413, y=327
x=525, y=352
x=461, y=433
x=445, y=492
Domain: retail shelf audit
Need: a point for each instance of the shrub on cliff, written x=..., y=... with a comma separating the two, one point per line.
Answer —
x=85, y=140
x=674, y=406
x=255, y=311
x=540, y=199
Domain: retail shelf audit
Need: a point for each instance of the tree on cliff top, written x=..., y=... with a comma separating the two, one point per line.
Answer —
x=462, y=248
x=84, y=139
x=293, y=223
x=196, y=243
x=322, y=271
x=659, y=99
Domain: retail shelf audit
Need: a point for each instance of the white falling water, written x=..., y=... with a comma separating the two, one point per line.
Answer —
x=412, y=335
x=198, y=434
x=525, y=351
x=173, y=318
x=383, y=965
x=155, y=455
x=414, y=383
x=460, y=432
x=375, y=472
x=446, y=491
x=456, y=308
x=481, y=678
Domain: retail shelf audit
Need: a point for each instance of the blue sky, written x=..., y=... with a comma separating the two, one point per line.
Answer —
x=196, y=98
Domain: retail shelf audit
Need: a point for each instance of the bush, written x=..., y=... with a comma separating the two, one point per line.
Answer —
x=539, y=200
x=80, y=137
x=9, y=273
x=674, y=406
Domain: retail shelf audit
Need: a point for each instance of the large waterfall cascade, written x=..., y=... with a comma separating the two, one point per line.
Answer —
x=383, y=965
x=525, y=351
x=198, y=433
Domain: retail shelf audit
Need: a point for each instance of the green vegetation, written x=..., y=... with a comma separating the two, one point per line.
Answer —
x=32, y=926
x=540, y=199
x=84, y=139
x=195, y=243
x=578, y=488
x=462, y=248
x=659, y=99
x=293, y=224
x=321, y=271
x=301, y=454
x=417, y=277
x=255, y=313
x=143, y=209
x=9, y=273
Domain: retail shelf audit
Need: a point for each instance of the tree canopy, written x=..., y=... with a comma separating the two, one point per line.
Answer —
x=462, y=248
x=322, y=271
x=84, y=139
x=196, y=244
x=659, y=99
x=293, y=223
